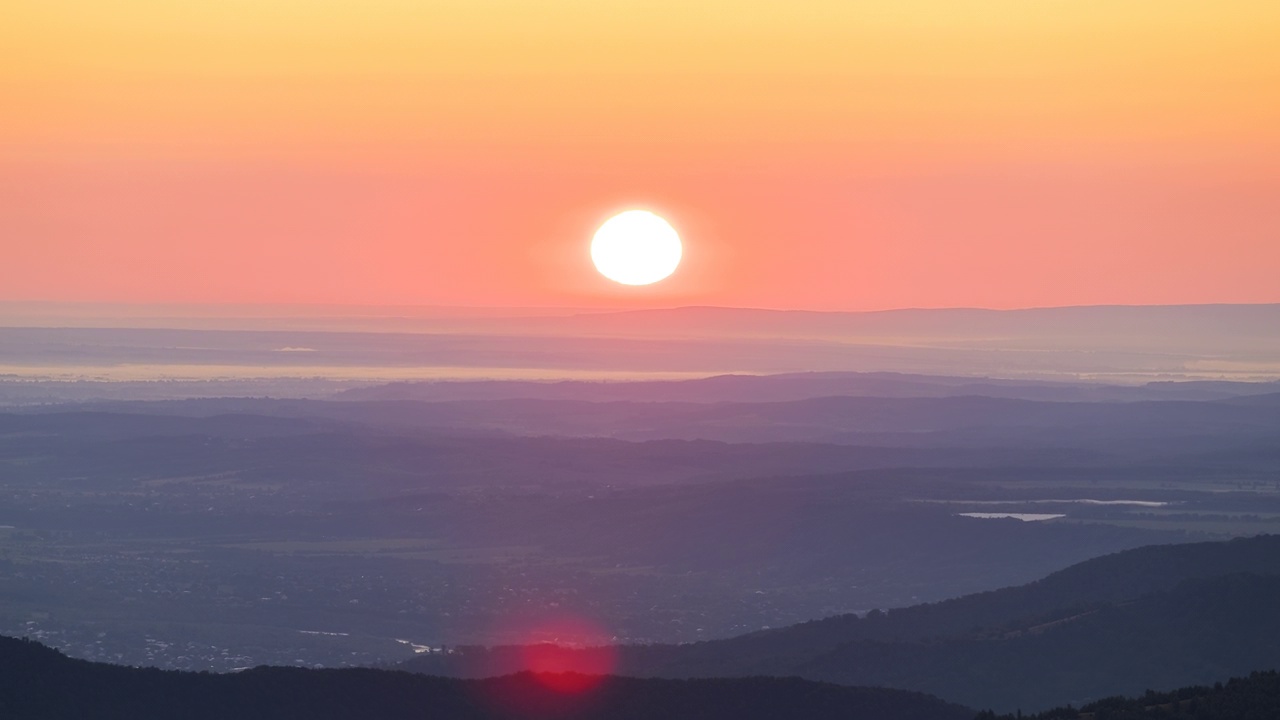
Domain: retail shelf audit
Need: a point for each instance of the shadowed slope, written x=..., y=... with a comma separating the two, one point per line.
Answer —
x=37, y=683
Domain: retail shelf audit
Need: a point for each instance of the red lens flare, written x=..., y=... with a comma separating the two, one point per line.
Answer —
x=569, y=654
x=565, y=660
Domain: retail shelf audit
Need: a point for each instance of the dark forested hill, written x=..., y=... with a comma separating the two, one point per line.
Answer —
x=1201, y=631
x=37, y=683
x=1110, y=579
x=1152, y=617
x=1256, y=697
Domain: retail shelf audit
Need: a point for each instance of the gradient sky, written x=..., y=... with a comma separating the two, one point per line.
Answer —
x=833, y=154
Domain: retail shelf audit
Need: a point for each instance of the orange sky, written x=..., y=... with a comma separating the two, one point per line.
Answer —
x=834, y=154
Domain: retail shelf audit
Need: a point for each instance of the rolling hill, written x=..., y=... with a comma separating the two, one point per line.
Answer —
x=1158, y=616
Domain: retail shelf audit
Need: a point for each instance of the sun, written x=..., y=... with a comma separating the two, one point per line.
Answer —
x=636, y=248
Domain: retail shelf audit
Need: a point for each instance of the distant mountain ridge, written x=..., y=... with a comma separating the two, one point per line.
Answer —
x=1125, y=344
x=336, y=318
x=946, y=421
x=784, y=387
x=1223, y=320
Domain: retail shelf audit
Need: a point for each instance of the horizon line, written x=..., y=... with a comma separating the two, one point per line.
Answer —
x=152, y=309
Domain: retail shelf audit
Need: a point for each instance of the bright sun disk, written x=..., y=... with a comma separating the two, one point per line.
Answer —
x=636, y=248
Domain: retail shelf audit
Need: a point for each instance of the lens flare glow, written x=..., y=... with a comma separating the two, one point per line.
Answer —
x=569, y=654
x=636, y=248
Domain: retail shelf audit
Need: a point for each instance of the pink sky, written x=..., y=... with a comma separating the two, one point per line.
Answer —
x=837, y=156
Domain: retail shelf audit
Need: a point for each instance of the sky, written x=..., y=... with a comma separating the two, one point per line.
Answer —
x=825, y=155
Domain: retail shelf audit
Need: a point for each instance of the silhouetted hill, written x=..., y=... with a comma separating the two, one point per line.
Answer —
x=1256, y=697
x=1151, y=617
x=37, y=683
x=1201, y=631
x=1259, y=400
x=1109, y=579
